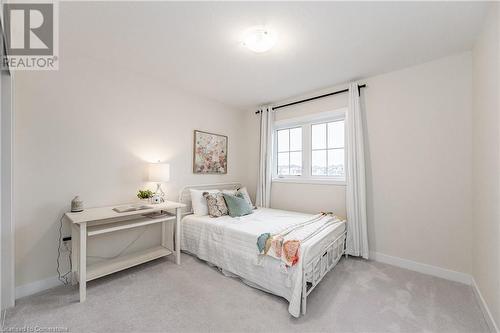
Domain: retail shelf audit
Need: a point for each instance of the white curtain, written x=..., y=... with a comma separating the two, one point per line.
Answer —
x=265, y=157
x=357, y=234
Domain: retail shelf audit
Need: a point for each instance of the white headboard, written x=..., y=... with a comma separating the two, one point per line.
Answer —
x=185, y=194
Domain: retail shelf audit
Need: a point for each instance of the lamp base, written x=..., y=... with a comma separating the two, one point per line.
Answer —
x=159, y=192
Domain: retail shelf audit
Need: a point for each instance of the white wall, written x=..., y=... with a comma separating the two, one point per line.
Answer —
x=419, y=162
x=90, y=129
x=7, y=225
x=309, y=198
x=6, y=169
x=486, y=150
x=418, y=153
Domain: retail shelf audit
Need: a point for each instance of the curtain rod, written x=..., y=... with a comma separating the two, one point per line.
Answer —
x=316, y=97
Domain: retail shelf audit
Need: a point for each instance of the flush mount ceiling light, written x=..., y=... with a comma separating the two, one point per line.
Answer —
x=259, y=39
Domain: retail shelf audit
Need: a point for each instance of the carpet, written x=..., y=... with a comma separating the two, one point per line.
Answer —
x=357, y=296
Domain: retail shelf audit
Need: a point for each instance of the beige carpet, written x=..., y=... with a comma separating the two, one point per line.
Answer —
x=357, y=296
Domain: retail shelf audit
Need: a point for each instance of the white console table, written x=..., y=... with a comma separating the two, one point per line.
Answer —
x=97, y=221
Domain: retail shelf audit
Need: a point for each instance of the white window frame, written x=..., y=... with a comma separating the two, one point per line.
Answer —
x=276, y=152
x=306, y=122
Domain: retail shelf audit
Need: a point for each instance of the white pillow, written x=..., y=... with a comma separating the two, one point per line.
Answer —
x=243, y=191
x=231, y=192
x=199, y=203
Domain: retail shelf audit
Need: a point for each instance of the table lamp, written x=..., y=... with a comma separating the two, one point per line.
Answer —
x=159, y=173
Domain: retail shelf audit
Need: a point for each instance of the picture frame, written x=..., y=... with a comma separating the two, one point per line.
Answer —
x=209, y=153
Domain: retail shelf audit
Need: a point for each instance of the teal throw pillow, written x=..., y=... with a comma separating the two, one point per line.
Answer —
x=237, y=205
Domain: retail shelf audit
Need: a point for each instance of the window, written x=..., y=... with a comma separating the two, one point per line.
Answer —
x=289, y=143
x=310, y=149
x=328, y=149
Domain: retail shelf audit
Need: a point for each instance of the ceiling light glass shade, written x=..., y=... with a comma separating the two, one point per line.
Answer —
x=259, y=40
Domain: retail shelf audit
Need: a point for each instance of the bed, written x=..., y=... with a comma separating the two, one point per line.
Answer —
x=230, y=244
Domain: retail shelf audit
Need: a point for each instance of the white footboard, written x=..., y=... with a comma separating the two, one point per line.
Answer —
x=317, y=267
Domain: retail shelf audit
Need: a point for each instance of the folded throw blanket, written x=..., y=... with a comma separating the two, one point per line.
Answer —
x=285, y=245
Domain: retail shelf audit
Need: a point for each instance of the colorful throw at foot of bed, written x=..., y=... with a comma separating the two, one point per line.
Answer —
x=285, y=245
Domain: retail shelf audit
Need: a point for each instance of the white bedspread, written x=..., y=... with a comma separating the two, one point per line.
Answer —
x=230, y=243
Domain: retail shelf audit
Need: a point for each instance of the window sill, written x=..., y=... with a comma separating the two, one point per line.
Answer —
x=317, y=181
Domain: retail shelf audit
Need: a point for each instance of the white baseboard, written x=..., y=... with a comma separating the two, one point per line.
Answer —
x=37, y=286
x=422, y=268
x=484, y=307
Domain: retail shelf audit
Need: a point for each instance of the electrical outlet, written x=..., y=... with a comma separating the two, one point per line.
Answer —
x=66, y=244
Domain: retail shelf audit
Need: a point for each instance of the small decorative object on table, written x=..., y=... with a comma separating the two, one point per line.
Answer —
x=156, y=199
x=76, y=205
x=145, y=194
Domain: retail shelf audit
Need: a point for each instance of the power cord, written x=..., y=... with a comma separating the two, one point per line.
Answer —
x=66, y=277
x=126, y=247
x=4, y=314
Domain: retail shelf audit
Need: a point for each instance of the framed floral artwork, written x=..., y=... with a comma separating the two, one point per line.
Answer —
x=209, y=153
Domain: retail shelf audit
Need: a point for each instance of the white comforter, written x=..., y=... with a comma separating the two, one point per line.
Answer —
x=230, y=243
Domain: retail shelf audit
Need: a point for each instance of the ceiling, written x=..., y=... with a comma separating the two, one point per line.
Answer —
x=196, y=46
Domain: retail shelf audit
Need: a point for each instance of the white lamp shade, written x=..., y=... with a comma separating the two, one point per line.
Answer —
x=159, y=172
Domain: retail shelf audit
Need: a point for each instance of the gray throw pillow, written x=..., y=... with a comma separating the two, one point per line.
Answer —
x=237, y=205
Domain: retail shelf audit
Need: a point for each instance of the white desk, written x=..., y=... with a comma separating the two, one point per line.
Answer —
x=97, y=221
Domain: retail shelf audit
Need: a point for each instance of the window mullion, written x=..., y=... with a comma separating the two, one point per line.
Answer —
x=326, y=146
x=306, y=155
x=275, y=154
x=289, y=142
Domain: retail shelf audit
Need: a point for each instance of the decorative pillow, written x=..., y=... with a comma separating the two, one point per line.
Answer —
x=246, y=196
x=243, y=191
x=199, y=203
x=216, y=204
x=232, y=192
x=237, y=205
